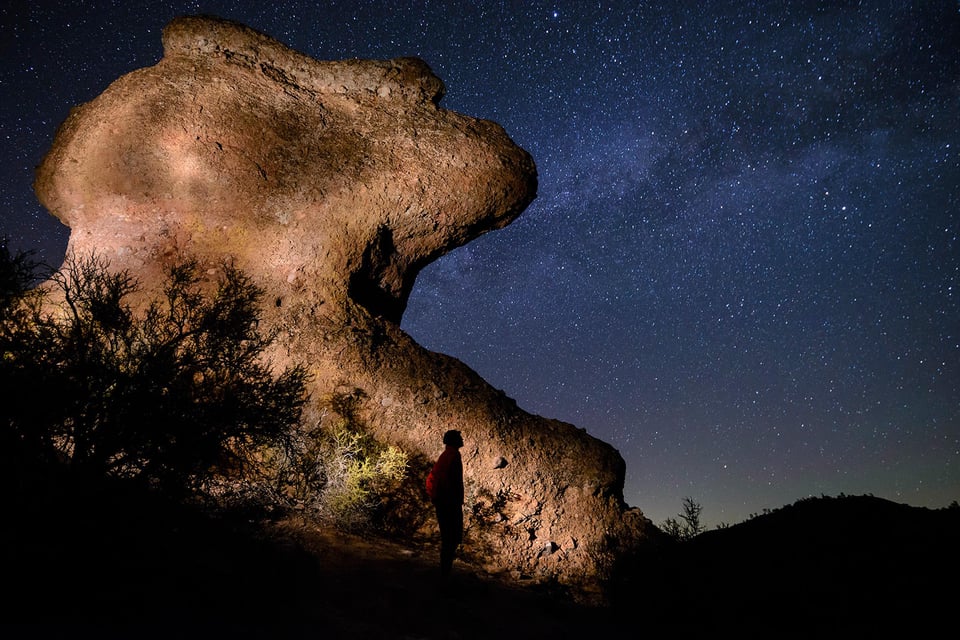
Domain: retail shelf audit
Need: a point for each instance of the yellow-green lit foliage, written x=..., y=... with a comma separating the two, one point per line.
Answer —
x=334, y=471
x=358, y=473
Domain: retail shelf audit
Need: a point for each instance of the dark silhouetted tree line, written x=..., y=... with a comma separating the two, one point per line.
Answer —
x=162, y=396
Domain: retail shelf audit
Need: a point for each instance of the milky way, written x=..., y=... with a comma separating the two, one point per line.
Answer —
x=742, y=267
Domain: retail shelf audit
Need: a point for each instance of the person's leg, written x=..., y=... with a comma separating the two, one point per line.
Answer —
x=450, y=520
x=447, y=553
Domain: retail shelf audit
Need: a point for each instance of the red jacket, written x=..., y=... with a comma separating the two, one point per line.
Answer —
x=445, y=481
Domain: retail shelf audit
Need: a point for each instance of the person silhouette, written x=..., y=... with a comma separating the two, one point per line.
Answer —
x=445, y=488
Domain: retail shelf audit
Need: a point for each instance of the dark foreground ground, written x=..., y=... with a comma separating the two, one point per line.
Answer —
x=121, y=566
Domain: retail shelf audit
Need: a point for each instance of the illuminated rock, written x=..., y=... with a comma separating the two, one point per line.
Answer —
x=332, y=184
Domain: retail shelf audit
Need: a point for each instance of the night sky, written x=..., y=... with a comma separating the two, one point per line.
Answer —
x=742, y=268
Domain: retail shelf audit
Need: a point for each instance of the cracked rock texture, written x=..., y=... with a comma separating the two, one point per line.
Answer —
x=332, y=184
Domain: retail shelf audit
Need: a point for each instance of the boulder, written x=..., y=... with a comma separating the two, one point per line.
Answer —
x=332, y=184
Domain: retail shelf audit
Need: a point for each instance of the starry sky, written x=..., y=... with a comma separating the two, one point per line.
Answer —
x=742, y=268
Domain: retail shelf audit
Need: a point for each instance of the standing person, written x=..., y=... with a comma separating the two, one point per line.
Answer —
x=445, y=488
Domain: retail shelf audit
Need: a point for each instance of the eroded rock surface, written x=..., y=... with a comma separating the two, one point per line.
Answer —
x=333, y=184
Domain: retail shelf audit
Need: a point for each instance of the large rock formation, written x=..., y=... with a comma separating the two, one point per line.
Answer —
x=333, y=184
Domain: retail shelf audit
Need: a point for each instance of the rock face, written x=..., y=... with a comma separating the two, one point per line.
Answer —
x=332, y=184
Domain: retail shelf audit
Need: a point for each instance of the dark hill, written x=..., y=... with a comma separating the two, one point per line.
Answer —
x=853, y=562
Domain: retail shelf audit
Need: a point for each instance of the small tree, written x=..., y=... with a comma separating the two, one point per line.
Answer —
x=689, y=525
x=691, y=517
x=163, y=396
x=672, y=527
x=20, y=444
x=17, y=271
